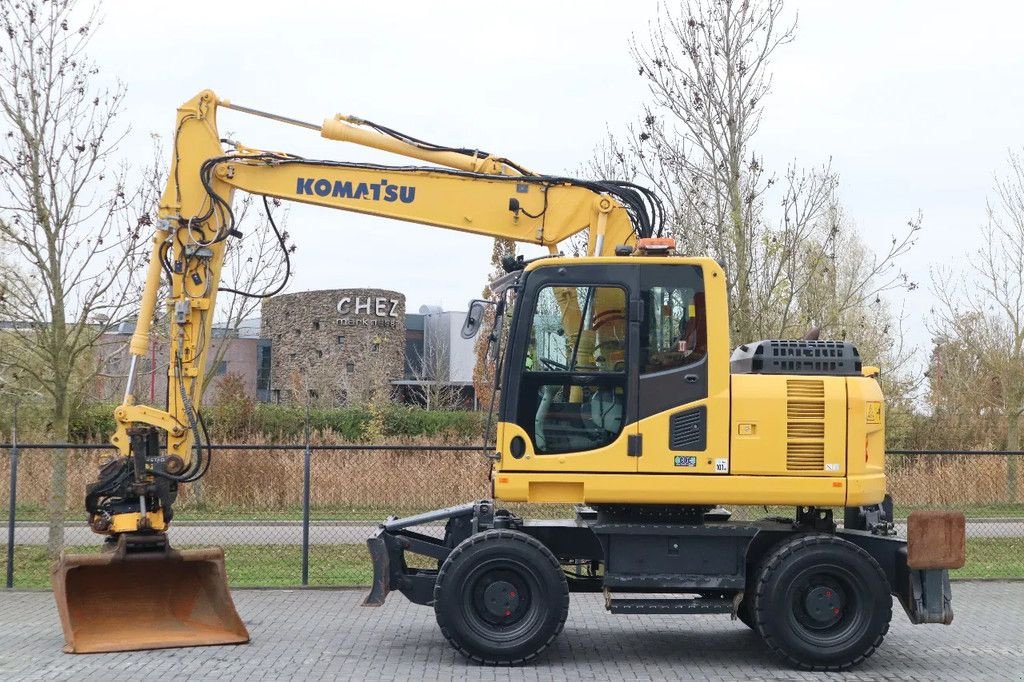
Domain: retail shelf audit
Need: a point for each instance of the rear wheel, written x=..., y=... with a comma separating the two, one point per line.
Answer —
x=501, y=597
x=746, y=613
x=822, y=603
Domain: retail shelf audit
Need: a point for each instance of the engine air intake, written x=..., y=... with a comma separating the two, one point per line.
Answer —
x=805, y=425
x=830, y=358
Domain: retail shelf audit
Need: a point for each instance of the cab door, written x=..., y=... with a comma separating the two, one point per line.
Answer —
x=683, y=399
x=570, y=394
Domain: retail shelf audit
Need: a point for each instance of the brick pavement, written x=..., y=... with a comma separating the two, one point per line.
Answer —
x=324, y=634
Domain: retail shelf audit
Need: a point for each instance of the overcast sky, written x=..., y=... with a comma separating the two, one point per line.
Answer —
x=916, y=103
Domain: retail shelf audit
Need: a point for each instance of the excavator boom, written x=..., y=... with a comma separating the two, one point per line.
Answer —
x=141, y=594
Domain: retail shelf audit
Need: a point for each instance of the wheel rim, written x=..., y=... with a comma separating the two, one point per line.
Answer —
x=827, y=607
x=503, y=600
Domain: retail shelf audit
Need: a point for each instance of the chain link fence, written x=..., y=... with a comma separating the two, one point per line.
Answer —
x=300, y=514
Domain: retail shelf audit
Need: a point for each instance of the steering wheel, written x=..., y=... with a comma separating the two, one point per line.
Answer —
x=554, y=364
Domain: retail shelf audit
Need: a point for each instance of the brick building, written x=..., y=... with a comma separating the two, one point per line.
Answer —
x=334, y=346
x=337, y=345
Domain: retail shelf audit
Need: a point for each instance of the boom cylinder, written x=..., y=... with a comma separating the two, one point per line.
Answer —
x=339, y=128
x=140, y=339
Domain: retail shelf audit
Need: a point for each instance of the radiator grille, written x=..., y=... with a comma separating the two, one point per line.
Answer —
x=805, y=427
x=799, y=388
x=688, y=430
x=806, y=430
x=807, y=449
x=806, y=410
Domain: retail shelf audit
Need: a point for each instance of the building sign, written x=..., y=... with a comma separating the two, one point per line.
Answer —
x=368, y=311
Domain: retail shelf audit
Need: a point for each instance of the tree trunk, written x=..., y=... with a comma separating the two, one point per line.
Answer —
x=1012, y=443
x=57, y=502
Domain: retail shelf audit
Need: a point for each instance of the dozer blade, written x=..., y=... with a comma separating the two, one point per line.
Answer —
x=127, y=601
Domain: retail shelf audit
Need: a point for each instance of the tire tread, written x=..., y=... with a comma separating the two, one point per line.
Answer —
x=506, y=534
x=773, y=561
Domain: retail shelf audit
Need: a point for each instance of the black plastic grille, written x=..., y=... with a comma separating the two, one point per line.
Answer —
x=836, y=358
x=688, y=430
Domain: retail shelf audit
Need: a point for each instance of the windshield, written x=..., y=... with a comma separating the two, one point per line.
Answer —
x=578, y=329
x=572, y=394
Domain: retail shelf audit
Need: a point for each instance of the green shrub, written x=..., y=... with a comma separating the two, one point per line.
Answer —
x=232, y=420
x=285, y=422
x=92, y=423
x=233, y=409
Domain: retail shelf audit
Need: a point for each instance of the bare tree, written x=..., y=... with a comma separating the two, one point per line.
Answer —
x=963, y=395
x=707, y=71
x=979, y=319
x=431, y=368
x=707, y=67
x=256, y=266
x=67, y=213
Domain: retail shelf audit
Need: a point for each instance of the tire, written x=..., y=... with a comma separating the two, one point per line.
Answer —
x=745, y=613
x=501, y=598
x=822, y=603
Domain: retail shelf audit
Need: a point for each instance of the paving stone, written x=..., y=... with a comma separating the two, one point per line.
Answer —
x=325, y=634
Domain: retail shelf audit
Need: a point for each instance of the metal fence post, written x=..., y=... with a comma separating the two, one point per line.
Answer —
x=305, y=503
x=13, y=498
x=1011, y=478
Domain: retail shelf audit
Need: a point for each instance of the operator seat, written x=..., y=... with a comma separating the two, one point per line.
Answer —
x=693, y=331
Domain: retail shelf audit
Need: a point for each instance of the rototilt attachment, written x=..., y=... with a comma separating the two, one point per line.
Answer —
x=142, y=594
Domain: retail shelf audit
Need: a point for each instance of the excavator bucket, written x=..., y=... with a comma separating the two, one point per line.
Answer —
x=127, y=601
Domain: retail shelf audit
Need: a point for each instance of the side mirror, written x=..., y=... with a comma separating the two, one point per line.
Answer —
x=474, y=317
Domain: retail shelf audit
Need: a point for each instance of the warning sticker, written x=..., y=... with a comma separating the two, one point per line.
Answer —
x=831, y=467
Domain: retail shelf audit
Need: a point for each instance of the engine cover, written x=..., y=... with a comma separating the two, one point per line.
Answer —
x=823, y=358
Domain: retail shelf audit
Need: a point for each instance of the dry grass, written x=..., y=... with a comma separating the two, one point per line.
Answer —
x=262, y=480
x=952, y=481
x=268, y=481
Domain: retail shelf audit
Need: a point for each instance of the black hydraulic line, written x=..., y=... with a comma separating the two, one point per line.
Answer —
x=627, y=193
x=287, y=261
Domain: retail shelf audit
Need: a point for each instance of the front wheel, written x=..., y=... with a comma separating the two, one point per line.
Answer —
x=822, y=603
x=501, y=597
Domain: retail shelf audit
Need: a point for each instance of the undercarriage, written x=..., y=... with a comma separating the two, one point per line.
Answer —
x=819, y=595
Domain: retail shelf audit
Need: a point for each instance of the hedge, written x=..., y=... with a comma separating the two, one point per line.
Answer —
x=95, y=422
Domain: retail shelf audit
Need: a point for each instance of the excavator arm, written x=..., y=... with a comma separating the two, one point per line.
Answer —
x=131, y=502
x=482, y=195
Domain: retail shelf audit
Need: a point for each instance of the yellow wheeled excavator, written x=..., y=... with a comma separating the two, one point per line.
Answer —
x=618, y=394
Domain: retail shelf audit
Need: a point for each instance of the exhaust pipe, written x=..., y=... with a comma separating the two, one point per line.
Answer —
x=125, y=600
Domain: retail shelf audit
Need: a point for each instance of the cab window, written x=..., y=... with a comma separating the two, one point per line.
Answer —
x=675, y=326
x=574, y=375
